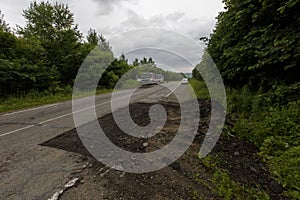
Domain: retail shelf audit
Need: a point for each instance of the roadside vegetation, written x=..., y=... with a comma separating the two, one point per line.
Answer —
x=39, y=62
x=200, y=88
x=223, y=186
x=33, y=99
x=256, y=46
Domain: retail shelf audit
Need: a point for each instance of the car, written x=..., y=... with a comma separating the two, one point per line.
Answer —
x=184, y=81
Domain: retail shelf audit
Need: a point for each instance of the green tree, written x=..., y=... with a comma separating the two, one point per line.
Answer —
x=3, y=25
x=92, y=37
x=54, y=26
x=45, y=21
x=257, y=43
x=136, y=62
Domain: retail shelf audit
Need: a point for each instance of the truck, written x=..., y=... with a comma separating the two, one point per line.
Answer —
x=150, y=78
x=159, y=78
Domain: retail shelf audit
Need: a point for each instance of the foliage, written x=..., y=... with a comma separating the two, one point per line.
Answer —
x=92, y=37
x=48, y=52
x=272, y=123
x=200, y=88
x=256, y=47
x=288, y=175
x=37, y=98
x=53, y=25
x=47, y=21
x=223, y=186
x=3, y=25
x=257, y=43
x=130, y=84
x=229, y=189
x=22, y=63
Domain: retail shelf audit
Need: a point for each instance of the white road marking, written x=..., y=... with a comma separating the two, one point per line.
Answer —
x=30, y=109
x=171, y=92
x=46, y=106
x=59, y=117
x=52, y=119
x=8, y=133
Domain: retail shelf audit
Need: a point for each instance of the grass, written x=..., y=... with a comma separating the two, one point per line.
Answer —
x=271, y=121
x=200, y=89
x=129, y=84
x=34, y=99
x=223, y=186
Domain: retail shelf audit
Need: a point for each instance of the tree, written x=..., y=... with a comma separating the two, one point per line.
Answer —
x=93, y=38
x=151, y=61
x=3, y=25
x=136, y=62
x=54, y=26
x=146, y=61
x=46, y=21
x=104, y=44
x=257, y=43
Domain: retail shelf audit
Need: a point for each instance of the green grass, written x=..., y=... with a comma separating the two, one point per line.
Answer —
x=223, y=186
x=129, y=84
x=200, y=89
x=34, y=99
x=271, y=121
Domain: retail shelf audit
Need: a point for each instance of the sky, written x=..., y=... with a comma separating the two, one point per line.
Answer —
x=166, y=30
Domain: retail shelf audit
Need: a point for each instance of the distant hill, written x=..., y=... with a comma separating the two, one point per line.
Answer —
x=188, y=75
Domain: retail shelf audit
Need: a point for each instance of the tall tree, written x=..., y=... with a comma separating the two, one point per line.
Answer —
x=136, y=62
x=54, y=26
x=104, y=44
x=3, y=25
x=92, y=37
x=257, y=42
x=46, y=21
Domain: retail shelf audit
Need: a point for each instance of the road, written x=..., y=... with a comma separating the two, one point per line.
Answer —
x=31, y=171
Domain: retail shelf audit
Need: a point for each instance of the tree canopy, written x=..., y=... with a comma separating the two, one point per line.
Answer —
x=257, y=43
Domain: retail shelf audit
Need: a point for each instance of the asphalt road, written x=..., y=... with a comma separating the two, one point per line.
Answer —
x=31, y=171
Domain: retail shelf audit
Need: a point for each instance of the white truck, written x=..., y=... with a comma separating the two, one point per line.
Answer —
x=159, y=78
x=150, y=78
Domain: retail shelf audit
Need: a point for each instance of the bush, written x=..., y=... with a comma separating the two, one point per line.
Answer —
x=200, y=88
x=130, y=84
x=287, y=171
x=271, y=122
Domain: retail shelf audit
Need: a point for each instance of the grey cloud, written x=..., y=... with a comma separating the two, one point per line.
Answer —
x=134, y=20
x=107, y=6
x=175, y=16
x=175, y=21
x=188, y=47
x=166, y=47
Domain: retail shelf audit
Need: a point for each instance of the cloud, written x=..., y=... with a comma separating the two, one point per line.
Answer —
x=166, y=47
x=176, y=21
x=107, y=6
x=170, y=39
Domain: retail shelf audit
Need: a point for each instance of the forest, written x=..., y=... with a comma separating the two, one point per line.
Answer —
x=44, y=56
x=256, y=47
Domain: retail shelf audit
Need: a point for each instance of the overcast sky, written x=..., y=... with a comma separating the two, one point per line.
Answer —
x=189, y=18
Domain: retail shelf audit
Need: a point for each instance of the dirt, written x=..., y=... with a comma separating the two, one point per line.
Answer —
x=173, y=182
